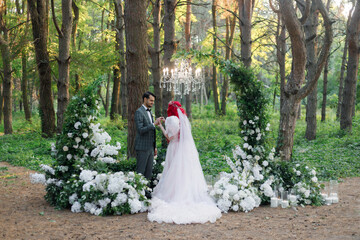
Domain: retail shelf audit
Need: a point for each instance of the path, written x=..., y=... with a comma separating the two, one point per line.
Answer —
x=24, y=214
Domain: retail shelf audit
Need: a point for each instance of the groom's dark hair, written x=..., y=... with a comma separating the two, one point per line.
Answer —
x=147, y=95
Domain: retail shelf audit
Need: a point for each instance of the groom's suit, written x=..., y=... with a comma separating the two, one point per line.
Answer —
x=144, y=142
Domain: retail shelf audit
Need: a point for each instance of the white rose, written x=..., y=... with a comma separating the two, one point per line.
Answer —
x=65, y=148
x=77, y=139
x=85, y=135
x=265, y=163
x=70, y=135
x=69, y=156
x=298, y=173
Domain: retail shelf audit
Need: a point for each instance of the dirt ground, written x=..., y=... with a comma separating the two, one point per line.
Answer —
x=24, y=214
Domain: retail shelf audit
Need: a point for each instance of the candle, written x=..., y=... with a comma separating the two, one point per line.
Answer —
x=324, y=196
x=285, y=203
x=328, y=200
x=274, y=202
x=292, y=199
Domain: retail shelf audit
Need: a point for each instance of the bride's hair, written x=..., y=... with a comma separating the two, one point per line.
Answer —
x=172, y=109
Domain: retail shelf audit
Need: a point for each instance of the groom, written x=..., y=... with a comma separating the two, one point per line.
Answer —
x=145, y=141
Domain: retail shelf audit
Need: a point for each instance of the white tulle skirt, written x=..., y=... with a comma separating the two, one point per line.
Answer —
x=181, y=196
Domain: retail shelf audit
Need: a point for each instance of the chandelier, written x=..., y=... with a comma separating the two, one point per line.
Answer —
x=182, y=79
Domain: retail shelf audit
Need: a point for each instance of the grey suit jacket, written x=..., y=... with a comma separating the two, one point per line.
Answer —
x=145, y=130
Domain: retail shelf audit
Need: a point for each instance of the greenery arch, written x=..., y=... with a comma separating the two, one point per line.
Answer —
x=250, y=97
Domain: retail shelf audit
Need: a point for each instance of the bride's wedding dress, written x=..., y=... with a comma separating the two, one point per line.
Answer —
x=181, y=196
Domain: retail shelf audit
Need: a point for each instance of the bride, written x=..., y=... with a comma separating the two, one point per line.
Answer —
x=181, y=196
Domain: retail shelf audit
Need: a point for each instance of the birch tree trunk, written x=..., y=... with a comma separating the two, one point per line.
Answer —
x=136, y=58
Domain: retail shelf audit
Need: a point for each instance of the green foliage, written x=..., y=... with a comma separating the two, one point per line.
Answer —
x=250, y=96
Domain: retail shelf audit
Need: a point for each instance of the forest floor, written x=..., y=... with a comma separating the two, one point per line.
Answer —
x=24, y=214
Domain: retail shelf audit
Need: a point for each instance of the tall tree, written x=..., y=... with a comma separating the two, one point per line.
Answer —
x=342, y=69
x=7, y=69
x=349, y=94
x=169, y=46
x=246, y=8
x=229, y=37
x=136, y=59
x=115, y=99
x=73, y=38
x=24, y=86
x=293, y=90
x=311, y=43
x=325, y=80
x=155, y=57
x=187, y=48
x=214, y=74
x=63, y=59
x=39, y=11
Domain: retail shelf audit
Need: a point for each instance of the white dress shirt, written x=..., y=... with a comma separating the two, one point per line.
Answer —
x=149, y=114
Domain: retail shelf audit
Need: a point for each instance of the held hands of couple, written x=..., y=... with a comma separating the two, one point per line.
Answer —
x=159, y=120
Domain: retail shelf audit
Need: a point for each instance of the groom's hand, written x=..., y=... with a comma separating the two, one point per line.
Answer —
x=157, y=122
x=155, y=152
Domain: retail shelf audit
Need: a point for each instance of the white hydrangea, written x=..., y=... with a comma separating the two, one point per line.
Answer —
x=87, y=175
x=77, y=125
x=135, y=205
x=37, y=178
x=48, y=169
x=76, y=207
x=73, y=198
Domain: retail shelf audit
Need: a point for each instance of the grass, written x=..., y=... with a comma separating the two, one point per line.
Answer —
x=334, y=153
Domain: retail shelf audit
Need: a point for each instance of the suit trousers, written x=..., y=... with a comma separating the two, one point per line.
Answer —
x=144, y=162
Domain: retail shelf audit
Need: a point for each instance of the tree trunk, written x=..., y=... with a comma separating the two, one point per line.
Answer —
x=24, y=84
x=115, y=93
x=73, y=42
x=63, y=60
x=169, y=46
x=310, y=28
x=7, y=80
x=349, y=95
x=342, y=71
x=1, y=102
x=107, y=96
x=230, y=29
x=136, y=58
x=39, y=10
x=187, y=48
x=155, y=58
x=293, y=90
x=246, y=8
x=214, y=76
x=323, y=105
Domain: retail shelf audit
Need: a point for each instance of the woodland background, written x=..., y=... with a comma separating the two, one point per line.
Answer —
x=305, y=53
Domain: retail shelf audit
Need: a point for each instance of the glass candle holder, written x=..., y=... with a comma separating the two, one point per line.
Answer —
x=334, y=191
x=284, y=199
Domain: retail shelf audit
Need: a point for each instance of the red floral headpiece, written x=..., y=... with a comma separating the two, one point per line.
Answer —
x=172, y=109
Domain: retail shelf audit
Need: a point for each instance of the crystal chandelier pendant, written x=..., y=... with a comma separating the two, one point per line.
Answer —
x=182, y=79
